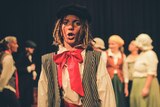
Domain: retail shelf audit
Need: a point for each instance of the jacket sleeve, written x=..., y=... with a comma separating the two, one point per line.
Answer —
x=22, y=65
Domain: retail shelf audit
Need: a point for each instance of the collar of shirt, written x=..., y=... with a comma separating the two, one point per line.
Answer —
x=118, y=55
x=63, y=49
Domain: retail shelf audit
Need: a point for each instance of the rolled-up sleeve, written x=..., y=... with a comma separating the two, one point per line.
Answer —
x=125, y=71
x=152, y=63
x=104, y=84
x=42, y=90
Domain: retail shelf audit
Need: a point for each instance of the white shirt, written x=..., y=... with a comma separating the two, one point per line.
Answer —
x=128, y=68
x=146, y=64
x=105, y=88
x=115, y=57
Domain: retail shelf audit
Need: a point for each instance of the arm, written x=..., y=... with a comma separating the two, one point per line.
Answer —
x=43, y=90
x=104, y=84
x=152, y=62
x=126, y=77
x=23, y=66
x=7, y=71
x=147, y=85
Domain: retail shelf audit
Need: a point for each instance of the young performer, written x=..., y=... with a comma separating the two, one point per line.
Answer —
x=115, y=60
x=74, y=76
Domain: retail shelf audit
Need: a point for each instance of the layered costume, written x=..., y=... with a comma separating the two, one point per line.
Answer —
x=74, y=76
x=96, y=83
x=114, y=65
x=114, y=68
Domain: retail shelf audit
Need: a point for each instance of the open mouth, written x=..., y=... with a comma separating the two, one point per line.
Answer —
x=71, y=36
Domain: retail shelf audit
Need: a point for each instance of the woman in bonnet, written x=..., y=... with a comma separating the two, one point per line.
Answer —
x=145, y=89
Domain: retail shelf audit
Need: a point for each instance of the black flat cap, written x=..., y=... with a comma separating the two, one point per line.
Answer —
x=30, y=44
x=74, y=9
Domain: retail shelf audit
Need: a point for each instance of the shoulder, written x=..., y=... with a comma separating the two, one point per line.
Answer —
x=7, y=58
x=150, y=53
x=93, y=52
x=47, y=56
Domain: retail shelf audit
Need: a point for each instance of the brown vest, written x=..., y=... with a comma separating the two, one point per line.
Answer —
x=111, y=67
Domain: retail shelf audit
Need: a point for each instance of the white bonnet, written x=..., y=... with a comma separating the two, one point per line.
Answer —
x=144, y=42
x=98, y=43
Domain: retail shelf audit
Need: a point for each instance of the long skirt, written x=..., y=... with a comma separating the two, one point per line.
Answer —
x=129, y=89
x=119, y=91
x=152, y=100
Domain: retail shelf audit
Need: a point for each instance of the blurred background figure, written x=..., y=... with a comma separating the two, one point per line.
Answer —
x=145, y=88
x=128, y=69
x=8, y=76
x=27, y=74
x=115, y=60
x=98, y=44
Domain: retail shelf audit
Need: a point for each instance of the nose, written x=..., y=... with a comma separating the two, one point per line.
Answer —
x=70, y=27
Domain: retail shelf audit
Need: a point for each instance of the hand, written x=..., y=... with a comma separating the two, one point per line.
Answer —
x=145, y=92
x=34, y=74
x=33, y=67
x=126, y=92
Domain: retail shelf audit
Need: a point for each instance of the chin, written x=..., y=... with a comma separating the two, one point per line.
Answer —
x=71, y=41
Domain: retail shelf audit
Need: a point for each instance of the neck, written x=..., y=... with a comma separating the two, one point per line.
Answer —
x=69, y=47
x=8, y=51
x=115, y=51
x=28, y=54
x=134, y=53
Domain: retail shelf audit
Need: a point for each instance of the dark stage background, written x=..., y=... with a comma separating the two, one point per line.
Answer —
x=34, y=20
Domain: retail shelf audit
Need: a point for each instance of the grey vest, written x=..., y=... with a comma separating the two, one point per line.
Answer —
x=91, y=98
x=11, y=81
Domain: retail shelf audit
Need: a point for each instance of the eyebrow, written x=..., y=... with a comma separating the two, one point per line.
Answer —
x=73, y=20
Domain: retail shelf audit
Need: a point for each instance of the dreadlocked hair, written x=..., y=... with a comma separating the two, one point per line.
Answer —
x=84, y=34
x=57, y=34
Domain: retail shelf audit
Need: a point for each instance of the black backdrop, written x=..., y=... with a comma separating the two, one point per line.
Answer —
x=34, y=19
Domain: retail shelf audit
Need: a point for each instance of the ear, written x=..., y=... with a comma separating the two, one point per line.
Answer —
x=8, y=45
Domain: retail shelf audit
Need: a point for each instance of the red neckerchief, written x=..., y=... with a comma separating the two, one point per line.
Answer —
x=71, y=59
